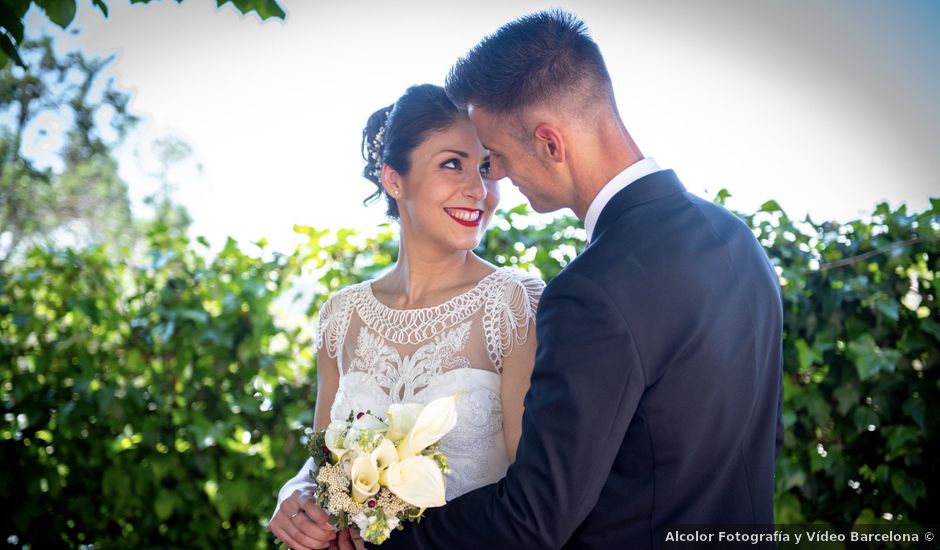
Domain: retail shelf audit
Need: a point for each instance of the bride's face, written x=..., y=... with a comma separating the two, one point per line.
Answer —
x=448, y=197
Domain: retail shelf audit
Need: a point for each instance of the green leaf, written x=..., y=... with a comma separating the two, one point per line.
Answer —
x=101, y=6
x=264, y=8
x=164, y=504
x=916, y=408
x=931, y=327
x=864, y=417
x=870, y=359
x=867, y=517
x=722, y=196
x=770, y=207
x=910, y=489
x=847, y=396
x=887, y=306
x=901, y=436
x=61, y=12
x=787, y=509
x=805, y=354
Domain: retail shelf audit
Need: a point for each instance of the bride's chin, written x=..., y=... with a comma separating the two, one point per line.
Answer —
x=465, y=246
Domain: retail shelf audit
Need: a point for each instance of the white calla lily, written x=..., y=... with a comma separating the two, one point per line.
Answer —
x=401, y=418
x=385, y=454
x=418, y=481
x=334, y=437
x=371, y=423
x=365, y=478
x=436, y=419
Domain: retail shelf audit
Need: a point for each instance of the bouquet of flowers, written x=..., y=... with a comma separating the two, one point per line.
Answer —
x=376, y=473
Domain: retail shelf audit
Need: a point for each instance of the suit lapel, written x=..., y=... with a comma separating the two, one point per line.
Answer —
x=646, y=189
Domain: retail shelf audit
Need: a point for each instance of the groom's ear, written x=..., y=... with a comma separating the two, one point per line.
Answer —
x=549, y=141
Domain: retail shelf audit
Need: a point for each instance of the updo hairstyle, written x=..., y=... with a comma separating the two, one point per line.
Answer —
x=393, y=132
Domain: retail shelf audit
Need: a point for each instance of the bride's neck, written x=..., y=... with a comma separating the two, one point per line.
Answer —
x=423, y=280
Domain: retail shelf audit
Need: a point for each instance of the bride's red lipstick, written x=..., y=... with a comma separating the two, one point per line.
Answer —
x=469, y=217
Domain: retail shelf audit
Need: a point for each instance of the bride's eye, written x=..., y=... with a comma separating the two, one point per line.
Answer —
x=453, y=164
x=485, y=169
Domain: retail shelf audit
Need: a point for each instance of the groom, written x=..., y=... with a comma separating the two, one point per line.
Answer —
x=656, y=394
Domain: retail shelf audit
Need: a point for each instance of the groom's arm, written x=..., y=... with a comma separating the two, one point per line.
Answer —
x=585, y=388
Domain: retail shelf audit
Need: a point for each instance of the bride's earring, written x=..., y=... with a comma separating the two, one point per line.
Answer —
x=396, y=192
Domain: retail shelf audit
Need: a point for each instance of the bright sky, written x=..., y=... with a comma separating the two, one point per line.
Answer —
x=827, y=106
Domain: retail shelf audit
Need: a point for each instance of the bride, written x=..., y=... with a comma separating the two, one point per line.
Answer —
x=440, y=321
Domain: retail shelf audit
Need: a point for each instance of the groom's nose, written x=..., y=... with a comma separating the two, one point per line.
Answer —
x=497, y=170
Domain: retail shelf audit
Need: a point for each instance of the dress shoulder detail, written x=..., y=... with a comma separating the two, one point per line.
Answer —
x=510, y=313
x=334, y=316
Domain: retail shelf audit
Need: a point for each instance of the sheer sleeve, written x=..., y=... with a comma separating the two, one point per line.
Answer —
x=333, y=322
x=510, y=314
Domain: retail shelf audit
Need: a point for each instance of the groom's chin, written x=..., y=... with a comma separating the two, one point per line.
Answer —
x=540, y=207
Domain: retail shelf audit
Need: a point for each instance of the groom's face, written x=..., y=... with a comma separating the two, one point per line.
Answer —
x=509, y=157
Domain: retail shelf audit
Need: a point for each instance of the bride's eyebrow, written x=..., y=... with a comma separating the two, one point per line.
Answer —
x=458, y=152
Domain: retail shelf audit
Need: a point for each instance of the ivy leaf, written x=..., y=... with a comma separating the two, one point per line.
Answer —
x=901, y=436
x=847, y=396
x=911, y=490
x=887, y=306
x=805, y=354
x=870, y=359
x=864, y=417
x=931, y=327
x=917, y=410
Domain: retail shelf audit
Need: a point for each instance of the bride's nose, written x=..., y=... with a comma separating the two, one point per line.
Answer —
x=475, y=188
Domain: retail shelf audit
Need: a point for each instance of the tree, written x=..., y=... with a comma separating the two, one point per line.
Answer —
x=83, y=200
x=61, y=12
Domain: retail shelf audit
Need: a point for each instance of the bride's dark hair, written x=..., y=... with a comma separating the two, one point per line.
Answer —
x=393, y=132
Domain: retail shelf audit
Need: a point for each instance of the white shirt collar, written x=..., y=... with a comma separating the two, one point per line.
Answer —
x=630, y=174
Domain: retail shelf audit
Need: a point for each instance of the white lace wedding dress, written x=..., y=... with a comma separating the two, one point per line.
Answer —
x=390, y=356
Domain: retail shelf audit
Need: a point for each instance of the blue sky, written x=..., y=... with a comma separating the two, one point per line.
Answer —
x=826, y=106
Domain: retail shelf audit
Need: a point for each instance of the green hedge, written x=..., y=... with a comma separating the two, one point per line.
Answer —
x=155, y=403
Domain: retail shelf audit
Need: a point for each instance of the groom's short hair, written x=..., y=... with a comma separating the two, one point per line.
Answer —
x=540, y=58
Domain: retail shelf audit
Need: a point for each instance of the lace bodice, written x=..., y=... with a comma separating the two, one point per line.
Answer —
x=388, y=355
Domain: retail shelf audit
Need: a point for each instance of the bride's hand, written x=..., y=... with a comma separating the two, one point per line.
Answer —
x=350, y=539
x=301, y=525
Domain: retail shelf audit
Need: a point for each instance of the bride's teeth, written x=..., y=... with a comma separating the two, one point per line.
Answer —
x=464, y=215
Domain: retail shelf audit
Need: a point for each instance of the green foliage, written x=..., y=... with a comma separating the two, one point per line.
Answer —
x=861, y=359
x=155, y=402
x=62, y=12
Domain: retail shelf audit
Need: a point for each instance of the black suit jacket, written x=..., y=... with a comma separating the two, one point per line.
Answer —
x=656, y=392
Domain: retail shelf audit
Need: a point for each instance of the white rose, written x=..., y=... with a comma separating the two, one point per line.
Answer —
x=418, y=481
x=434, y=421
x=365, y=478
x=401, y=418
